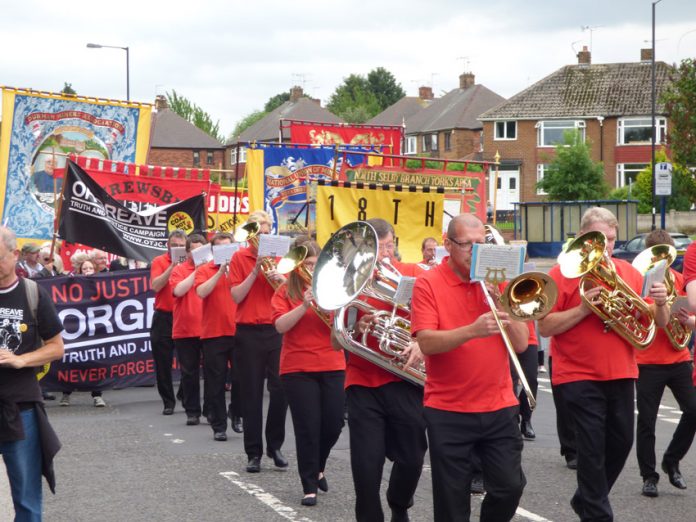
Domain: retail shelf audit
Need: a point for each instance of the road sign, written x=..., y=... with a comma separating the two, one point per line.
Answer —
x=663, y=179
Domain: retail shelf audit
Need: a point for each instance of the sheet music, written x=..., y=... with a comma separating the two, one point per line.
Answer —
x=404, y=291
x=496, y=263
x=178, y=254
x=679, y=303
x=655, y=274
x=223, y=253
x=202, y=255
x=440, y=253
x=274, y=246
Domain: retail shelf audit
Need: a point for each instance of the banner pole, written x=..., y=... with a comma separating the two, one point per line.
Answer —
x=236, y=190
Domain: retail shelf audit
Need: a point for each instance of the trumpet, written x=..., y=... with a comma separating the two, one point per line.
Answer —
x=249, y=232
x=294, y=260
x=678, y=334
x=620, y=307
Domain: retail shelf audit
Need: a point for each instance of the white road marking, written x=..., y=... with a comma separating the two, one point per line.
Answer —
x=178, y=441
x=268, y=499
x=530, y=516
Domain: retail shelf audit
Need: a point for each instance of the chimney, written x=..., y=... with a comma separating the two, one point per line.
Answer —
x=646, y=55
x=425, y=92
x=466, y=80
x=161, y=103
x=296, y=93
x=584, y=57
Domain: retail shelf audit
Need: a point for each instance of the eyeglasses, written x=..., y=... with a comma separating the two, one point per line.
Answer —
x=464, y=245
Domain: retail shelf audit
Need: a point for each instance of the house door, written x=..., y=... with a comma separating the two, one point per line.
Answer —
x=508, y=189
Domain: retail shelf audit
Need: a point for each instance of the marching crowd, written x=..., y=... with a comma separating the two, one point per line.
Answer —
x=248, y=325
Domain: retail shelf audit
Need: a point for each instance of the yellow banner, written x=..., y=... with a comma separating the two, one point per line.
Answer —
x=414, y=215
x=254, y=175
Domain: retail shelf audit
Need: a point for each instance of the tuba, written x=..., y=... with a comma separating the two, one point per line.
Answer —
x=347, y=269
x=678, y=334
x=620, y=308
x=249, y=232
x=294, y=260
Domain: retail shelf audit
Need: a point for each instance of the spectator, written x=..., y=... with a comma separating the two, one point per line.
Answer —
x=99, y=259
x=29, y=260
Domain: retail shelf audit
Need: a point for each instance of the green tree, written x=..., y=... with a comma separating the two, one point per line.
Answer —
x=354, y=100
x=194, y=114
x=384, y=86
x=572, y=175
x=246, y=122
x=680, y=101
x=68, y=89
x=276, y=101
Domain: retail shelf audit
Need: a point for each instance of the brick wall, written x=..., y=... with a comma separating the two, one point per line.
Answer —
x=462, y=143
x=184, y=158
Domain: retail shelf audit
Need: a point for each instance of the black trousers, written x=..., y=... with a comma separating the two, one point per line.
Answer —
x=603, y=412
x=385, y=422
x=565, y=425
x=316, y=402
x=495, y=437
x=652, y=379
x=216, y=352
x=188, y=352
x=163, y=355
x=258, y=359
x=530, y=367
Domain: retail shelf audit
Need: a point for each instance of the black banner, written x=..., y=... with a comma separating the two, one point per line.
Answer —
x=89, y=215
x=106, y=320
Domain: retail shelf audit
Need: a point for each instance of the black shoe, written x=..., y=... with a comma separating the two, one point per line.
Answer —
x=576, y=505
x=527, y=430
x=237, y=425
x=572, y=462
x=399, y=515
x=254, y=465
x=278, y=459
x=675, y=476
x=220, y=436
x=477, y=487
x=309, y=501
x=650, y=487
x=49, y=397
x=168, y=411
x=322, y=484
x=193, y=421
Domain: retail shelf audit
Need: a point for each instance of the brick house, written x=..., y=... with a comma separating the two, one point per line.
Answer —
x=448, y=127
x=610, y=104
x=176, y=142
x=402, y=110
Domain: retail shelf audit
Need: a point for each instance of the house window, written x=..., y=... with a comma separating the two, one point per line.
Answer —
x=426, y=143
x=540, y=175
x=433, y=142
x=209, y=159
x=448, y=140
x=233, y=155
x=550, y=133
x=196, y=158
x=505, y=130
x=411, y=144
x=627, y=173
x=636, y=131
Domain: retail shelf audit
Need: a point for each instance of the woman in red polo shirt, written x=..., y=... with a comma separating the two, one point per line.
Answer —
x=312, y=374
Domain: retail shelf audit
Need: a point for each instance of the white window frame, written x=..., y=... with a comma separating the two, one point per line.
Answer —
x=641, y=122
x=506, y=137
x=621, y=171
x=411, y=145
x=233, y=155
x=433, y=142
x=541, y=167
x=558, y=124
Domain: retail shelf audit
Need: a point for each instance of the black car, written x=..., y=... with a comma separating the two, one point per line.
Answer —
x=636, y=245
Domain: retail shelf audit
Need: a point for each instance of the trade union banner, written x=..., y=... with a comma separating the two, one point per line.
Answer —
x=414, y=215
x=386, y=137
x=106, y=320
x=89, y=215
x=38, y=132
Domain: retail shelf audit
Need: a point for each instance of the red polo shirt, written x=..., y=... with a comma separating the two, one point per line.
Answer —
x=218, y=307
x=164, y=300
x=586, y=352
x=187, y=308
x=256, y=306
x=689, y=270
x=475, y=376
x=307, y=345
x=533, y=339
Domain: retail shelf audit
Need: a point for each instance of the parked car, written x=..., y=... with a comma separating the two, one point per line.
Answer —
x=630, y=249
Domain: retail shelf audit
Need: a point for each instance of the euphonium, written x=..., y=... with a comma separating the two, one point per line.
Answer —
x=620, y=308
x=294, y=260
x=347, y=269
x=678, y=334
x=249, y=232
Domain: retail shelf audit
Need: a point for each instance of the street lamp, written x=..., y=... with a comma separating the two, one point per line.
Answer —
x=654, y=131
x=99, y=46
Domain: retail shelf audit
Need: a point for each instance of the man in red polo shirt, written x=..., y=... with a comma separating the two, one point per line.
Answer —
x=161, y=329
x=186, y=330
x=469, y=398
x=218, y=329
x=661, y=366
x=594, y=370
x=258, y=353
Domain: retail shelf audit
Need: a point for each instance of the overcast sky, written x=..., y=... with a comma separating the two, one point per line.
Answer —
x=229, y=57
